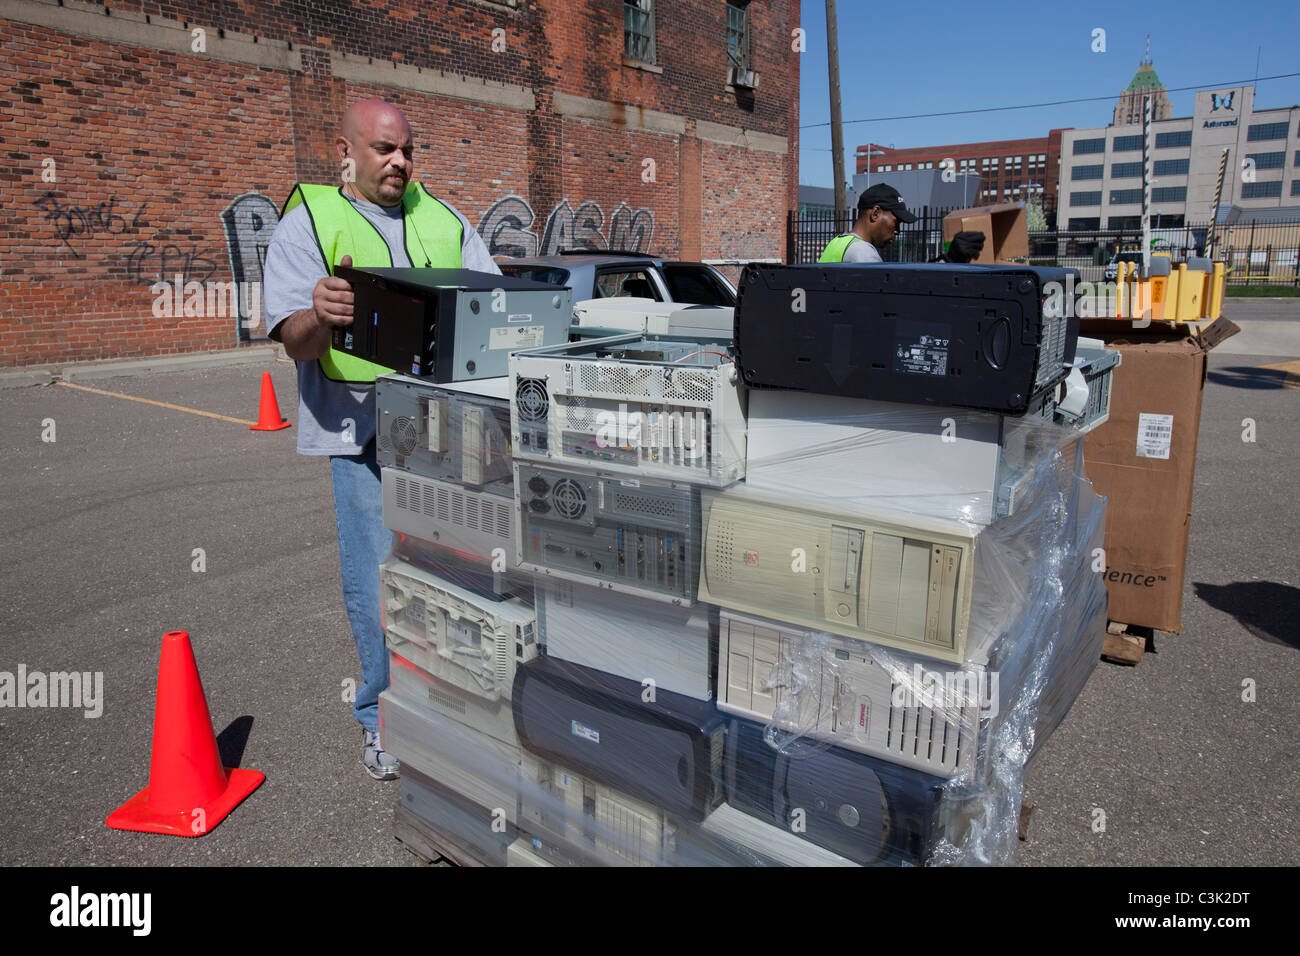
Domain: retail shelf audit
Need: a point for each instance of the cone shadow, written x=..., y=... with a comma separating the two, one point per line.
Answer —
x=232, y=741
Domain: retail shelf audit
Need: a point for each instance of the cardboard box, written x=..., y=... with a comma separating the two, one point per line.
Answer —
x=1005, y=227
x=1144, y=461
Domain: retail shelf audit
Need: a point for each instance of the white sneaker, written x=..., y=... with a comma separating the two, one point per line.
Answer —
x=378, y=762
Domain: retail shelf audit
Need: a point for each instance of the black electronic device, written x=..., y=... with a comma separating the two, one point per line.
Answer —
x=451, y=324
x=863, y=809
x=667, y=751
x=995, y=338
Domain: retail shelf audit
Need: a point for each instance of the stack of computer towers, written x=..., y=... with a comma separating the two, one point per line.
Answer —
x=756, y=603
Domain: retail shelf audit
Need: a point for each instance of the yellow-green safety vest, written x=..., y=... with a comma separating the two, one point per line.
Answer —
x=835, y=249
x=433, y=240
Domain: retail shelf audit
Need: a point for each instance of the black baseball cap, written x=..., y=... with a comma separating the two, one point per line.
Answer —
x=887, y=198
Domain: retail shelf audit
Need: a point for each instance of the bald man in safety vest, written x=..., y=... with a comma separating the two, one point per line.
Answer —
x=377, y=217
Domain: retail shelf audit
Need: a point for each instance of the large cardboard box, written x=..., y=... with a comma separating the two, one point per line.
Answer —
x=1144, y=461
x=1005, y=227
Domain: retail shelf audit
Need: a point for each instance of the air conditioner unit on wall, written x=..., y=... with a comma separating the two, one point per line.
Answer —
x=747, y=79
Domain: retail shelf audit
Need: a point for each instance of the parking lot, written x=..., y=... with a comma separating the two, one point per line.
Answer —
x=143, y=517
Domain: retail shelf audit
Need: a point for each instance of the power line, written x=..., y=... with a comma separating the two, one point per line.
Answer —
x=1030, y=106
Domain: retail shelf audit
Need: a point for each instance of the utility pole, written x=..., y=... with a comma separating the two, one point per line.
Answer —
x=837, y=128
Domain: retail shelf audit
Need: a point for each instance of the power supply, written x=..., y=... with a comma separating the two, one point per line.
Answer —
x=449, y=324
x=639, y=537
x=470, y=641
x=455, y=432
x=641, y=405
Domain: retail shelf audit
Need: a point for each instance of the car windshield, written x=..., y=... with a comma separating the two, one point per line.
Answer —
x=697, y=284
x=551, y=275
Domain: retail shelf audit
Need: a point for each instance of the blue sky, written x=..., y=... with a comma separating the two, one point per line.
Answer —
x=906, y=58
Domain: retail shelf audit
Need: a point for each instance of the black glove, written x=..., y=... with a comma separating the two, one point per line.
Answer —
x=965, y=246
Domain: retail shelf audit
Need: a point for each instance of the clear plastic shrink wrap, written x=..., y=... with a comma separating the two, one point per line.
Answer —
x=733, y=627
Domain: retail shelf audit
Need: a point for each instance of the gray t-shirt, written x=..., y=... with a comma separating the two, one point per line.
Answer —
x=335, y=418
x=862, y=251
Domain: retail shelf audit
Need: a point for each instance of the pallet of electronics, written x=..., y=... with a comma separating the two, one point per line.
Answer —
x=819, y=638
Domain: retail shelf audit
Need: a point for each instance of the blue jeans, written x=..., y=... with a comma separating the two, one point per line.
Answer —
x=364, y=543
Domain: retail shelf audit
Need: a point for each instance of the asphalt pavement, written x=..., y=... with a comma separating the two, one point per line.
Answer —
x=102, y=530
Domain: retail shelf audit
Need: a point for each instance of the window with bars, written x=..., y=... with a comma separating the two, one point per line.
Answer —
x=639, y=30
x=738, y=34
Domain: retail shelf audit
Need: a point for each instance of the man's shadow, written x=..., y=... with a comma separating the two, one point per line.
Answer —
x=1269, y=610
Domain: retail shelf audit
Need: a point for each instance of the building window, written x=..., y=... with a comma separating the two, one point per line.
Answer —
x=1295, y=187
x=1124, y=222
x=1169, y=194
x=1122, y=197
x=1172, y=167
x=1126, y=144
x=1087, y=172
x=1269, y=190
x=1258, y=132
x=1086, y=199
x=1297, y=158
x=1083, y=147
x=1167, y=221
x=738, y=34
x=1169, y=140
x=1125, y=170
x=1268, y=160
x=639, y=30
x=1085, y=225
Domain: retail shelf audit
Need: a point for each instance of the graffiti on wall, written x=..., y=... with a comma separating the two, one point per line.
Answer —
x=508, y=229
x=505, y=227
x=249, y=221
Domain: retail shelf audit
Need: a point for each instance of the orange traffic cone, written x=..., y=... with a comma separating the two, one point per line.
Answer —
x=268, y=415
x=189, y=791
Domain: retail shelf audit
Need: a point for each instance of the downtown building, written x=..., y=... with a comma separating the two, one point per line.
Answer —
x=143, y=143
x=1101, y=168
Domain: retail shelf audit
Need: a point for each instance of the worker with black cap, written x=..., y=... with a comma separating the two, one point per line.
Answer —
x=880, y=210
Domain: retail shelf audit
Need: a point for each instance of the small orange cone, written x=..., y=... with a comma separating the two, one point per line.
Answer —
x=268, y=415
x=189, y=791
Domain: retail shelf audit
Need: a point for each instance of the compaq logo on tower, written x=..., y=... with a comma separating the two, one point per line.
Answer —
x=103, y=909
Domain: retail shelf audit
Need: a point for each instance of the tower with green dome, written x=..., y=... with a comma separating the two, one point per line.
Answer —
x=1132, y=101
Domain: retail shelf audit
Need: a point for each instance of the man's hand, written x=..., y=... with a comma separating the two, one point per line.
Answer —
x=332, y=299
x=965, y=246
x=306, y=333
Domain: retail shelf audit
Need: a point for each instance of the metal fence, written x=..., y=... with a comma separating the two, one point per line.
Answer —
x=1256, y=253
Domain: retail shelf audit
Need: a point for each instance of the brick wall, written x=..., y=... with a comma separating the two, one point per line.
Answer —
x=132, y=156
